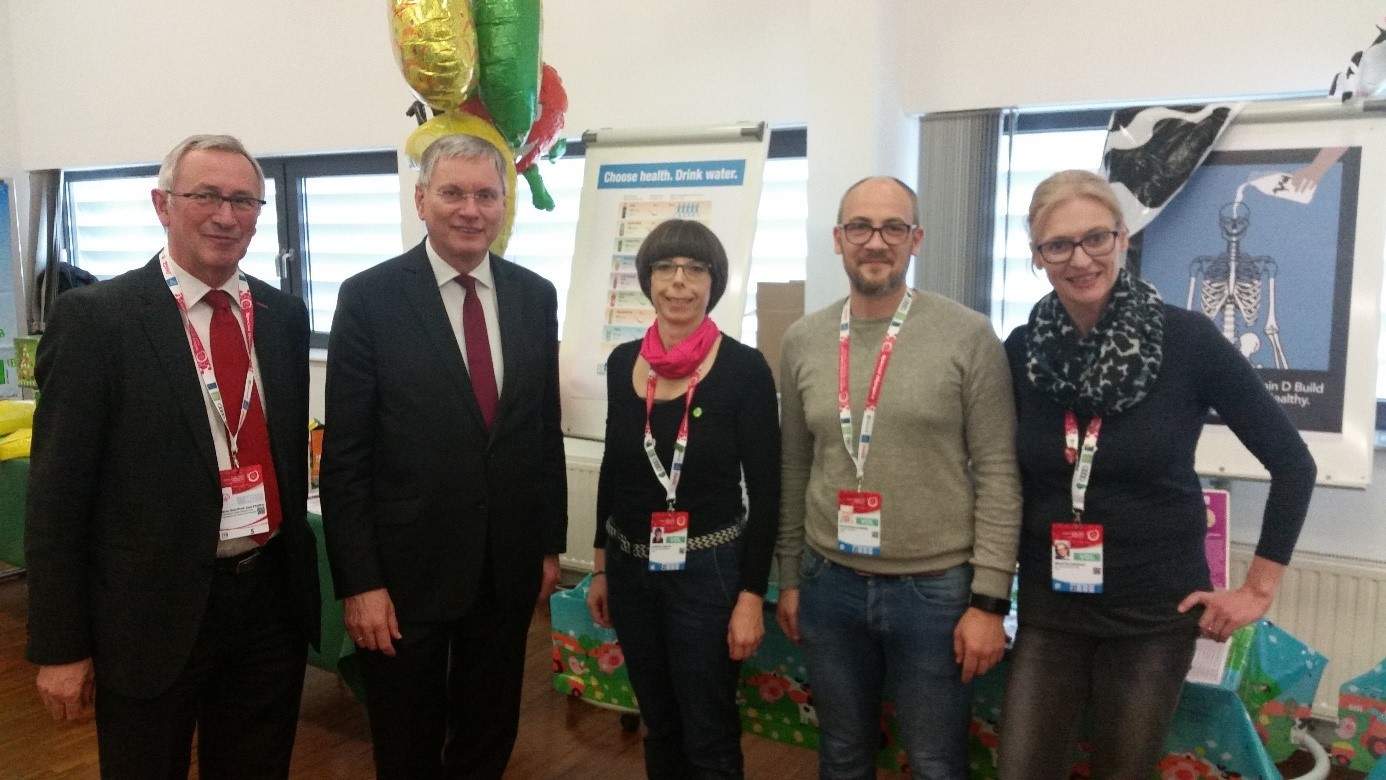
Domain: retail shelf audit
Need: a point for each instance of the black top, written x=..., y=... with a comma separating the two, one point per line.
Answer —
x=733, y=428
x=1144, y=490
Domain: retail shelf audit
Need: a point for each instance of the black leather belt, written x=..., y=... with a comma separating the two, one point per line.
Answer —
x=243, y=563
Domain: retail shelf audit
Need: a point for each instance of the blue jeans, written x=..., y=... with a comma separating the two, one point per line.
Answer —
x=673, y=631
x=864, y=636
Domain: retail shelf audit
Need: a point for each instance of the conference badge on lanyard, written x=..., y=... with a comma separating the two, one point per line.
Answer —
x=1075, y=557
x=244, y=506
x=668, y=529
x=859, y=522
x=859, y=511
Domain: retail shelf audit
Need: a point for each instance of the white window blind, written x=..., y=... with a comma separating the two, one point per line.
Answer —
x=350, y=223
x=1024, y=162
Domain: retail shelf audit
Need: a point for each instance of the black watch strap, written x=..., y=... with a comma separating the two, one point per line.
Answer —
x=990, y=604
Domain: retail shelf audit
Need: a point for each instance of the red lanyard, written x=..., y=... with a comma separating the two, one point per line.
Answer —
x=1081, y=460
x=669, y=480
x=873, y=393
x=203, y=359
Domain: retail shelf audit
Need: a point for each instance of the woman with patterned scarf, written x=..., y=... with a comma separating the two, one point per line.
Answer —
x=1112, y=388
x=682, y=563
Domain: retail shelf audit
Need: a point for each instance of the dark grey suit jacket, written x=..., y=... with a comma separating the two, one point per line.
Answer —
x=124, y=498
x=415, y=491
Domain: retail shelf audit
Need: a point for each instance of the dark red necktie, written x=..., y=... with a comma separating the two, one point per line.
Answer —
x=231, y=361
x=478, y=345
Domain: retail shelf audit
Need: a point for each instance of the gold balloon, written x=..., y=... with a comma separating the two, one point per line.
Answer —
x=459, y=123
x=435, y=47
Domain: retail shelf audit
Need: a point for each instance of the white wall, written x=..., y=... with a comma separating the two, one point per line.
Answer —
x=92, y=83
x=9, y=138
x=10, y=169
x=1019, y=53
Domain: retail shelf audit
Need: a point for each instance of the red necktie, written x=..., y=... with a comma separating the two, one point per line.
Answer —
x=478, y=344
x=231, y=361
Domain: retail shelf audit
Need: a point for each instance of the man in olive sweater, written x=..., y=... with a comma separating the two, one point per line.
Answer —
x=898, y=542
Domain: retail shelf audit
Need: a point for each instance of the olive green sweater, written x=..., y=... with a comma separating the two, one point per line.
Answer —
x=943, y=450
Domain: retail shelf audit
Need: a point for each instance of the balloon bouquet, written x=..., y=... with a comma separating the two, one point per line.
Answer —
x=476, y=64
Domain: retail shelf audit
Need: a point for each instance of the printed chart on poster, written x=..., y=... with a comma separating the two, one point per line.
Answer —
x=1278, y=240
x=634, y=181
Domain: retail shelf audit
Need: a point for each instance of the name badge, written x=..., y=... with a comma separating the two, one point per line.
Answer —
x=668, y=541
x=859, y=522
x=244, y=508
x=1075, y=557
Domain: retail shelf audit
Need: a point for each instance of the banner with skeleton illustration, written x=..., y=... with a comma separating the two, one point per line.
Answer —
x=1265, y=250
x=1277, y=238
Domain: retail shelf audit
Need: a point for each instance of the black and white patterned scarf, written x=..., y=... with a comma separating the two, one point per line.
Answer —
x=1112, y=368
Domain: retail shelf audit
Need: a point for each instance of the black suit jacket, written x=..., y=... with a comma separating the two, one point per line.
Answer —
x=124, y=498
x=415, y=491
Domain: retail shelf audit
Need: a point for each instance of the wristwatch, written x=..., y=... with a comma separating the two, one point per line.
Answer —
x=990, y=604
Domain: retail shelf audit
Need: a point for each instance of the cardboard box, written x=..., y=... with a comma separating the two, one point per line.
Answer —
x=778, y=305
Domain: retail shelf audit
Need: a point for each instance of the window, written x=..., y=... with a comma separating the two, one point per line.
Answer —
x=1035, y=150
x=1041, y=144
x=326, y=218
x=543, y=240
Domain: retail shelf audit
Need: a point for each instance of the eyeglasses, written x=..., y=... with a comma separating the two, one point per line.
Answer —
x=211, y=201
x=1098, y=243
x=485, y=198
x=693, y=271
x=860, y=232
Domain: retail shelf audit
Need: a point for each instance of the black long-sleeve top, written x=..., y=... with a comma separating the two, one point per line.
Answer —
x=733, y=429
x=1144, y=490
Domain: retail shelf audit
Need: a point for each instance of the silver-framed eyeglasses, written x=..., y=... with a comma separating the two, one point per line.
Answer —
x=859, y=232
x=484, y=198
x=211, y=201
x=693, y=270
x=1098, y=243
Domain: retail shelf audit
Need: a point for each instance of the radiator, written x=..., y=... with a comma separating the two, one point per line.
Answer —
x=582, y=512
x=1334, y=604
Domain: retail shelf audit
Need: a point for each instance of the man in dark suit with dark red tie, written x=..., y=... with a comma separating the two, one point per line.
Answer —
x=444, y=496
x=172, y=575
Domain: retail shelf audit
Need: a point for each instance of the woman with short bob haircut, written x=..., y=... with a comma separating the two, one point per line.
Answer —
x=681, y=563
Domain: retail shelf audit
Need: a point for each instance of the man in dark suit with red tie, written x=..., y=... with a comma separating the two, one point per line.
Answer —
x=172, y=575
x=444, y=496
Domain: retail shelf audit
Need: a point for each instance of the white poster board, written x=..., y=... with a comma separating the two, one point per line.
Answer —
x=1294, y=195
x=634, y=181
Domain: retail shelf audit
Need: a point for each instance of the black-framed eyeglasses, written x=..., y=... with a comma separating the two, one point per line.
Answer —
x=1098, y=243
x=212, y=201
x=859, y=232
x=693, y=270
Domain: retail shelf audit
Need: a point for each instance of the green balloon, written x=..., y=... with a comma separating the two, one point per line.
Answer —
x=538, y=193
x=507, y=33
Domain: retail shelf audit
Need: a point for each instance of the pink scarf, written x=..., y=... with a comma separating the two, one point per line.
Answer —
x=685, y=357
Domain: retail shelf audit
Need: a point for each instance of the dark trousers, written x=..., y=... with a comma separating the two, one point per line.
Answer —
x=448, y=703
x=240, y=690
x=1130, y=685
x=673, y=631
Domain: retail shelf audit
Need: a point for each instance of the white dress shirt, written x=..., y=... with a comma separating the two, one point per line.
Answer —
x=454, y=294
x=200, y=314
